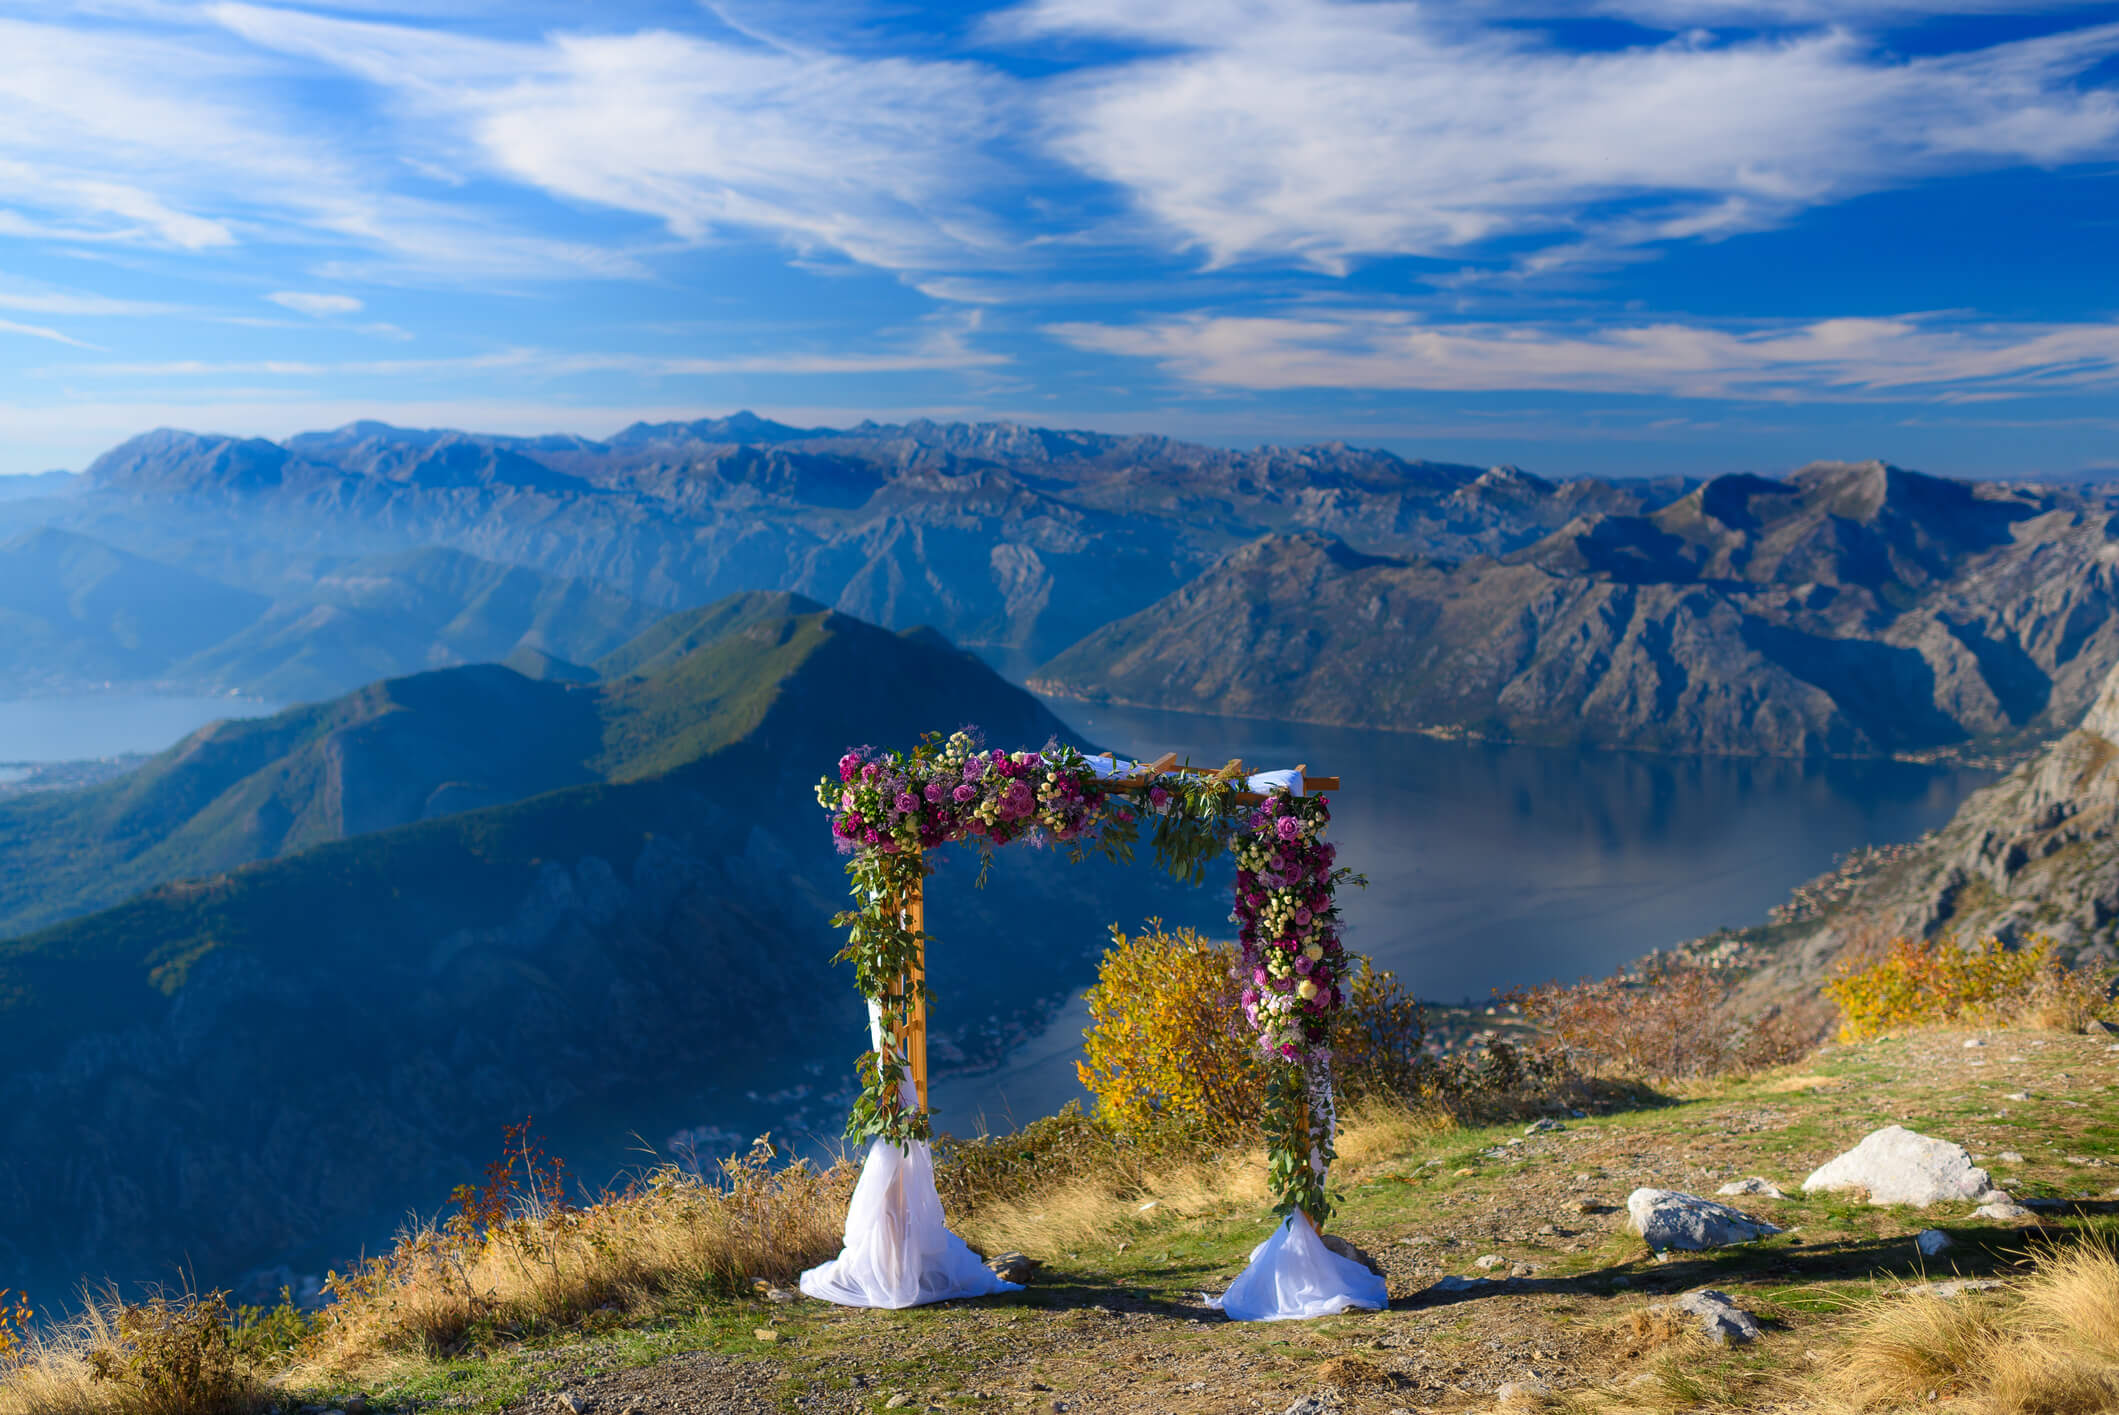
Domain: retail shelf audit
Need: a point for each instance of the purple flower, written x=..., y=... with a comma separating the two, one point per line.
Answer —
x=907, y=802
x=967, y=792
x=1288, y=828
x=1287, y=1051
x=849, y=766
x=1303, y=965
x=935, y=791
x=1157, y=797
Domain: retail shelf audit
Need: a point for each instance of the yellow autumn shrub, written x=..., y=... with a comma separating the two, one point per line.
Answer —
x=1924, y=981
x=1167, y=1041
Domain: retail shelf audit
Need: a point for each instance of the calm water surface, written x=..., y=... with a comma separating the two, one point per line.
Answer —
x=66, y=729
x=1495, y=865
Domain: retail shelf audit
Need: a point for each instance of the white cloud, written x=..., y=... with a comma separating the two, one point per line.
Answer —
x=38, y=331
x=315, y=305
x=1326, y=131
x=1903, y=357
x=885, y=159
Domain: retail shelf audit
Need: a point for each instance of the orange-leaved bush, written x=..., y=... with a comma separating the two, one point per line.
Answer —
x=15, y=1317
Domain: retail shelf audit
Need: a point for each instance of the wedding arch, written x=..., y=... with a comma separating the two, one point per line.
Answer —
x=890, y=809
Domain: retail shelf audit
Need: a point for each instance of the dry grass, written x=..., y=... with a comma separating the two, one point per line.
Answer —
x=2052, y=1351
x=167, y=1356
x=543, y=1265
x=1080, y=1209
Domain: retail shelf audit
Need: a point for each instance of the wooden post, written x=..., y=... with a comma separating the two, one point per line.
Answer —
x=912, y=1045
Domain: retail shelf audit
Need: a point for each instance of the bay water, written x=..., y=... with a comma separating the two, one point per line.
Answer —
x=1492, y=865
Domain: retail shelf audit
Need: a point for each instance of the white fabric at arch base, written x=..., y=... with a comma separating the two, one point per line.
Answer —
x=1293, y=1276
x=897, y=1251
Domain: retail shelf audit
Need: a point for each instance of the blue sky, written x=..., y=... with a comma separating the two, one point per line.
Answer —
x=1584, y=236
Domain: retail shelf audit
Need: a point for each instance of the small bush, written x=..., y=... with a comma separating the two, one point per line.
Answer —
x=1670, y=1021
x=166, y=1356
x=1921, y=982
x=1167, y=1042
x=15, y=1317
x=1381, y=1046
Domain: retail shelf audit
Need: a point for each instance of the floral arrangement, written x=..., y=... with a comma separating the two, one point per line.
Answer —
x=1287, y=917
x=890, y=808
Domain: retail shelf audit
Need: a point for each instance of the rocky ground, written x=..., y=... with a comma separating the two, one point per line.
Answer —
x=1508, y=1256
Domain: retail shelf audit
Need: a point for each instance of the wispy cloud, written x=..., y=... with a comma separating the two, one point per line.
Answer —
x=318, y=306
x=886, y=160
x=38, y=331
x=1393, y=352
x=1326, y=131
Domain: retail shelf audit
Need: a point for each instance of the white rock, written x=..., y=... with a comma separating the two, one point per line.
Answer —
x=1899, y=1166
x=1513, y=1392
x=1721, y=1320
x=2007, y=1212
x=1491, y=1260
x=1667, y=1219
x=1995, y=1196
x=1754, y=1185
x=1932, y=1241
x=2010, y=1157
x=1542, y=1127
x=2017, y=1096
x=1975, y=1041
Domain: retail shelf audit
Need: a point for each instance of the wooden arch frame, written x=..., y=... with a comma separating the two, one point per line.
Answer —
x=909, y=1041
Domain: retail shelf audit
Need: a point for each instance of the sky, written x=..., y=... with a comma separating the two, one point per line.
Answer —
x=1605, y=237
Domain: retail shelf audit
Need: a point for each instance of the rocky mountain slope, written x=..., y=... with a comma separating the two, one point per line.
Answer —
x=74, y=611
x=2035, y=855
x=1849, y=609
x=1011, y=539
x=77, y=615
x=266, y=1063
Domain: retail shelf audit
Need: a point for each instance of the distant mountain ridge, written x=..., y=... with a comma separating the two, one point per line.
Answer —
x=77, y=614
x=1851, y=609
x=1010, y=539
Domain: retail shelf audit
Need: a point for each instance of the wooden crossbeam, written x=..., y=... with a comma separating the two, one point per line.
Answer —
x=1166, y=765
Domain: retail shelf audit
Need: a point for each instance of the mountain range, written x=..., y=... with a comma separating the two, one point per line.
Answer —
x=1848, y=608
x=78, y=614
x=354, y=941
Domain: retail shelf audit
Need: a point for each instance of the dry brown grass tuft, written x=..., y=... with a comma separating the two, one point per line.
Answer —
x=544, y=1264
x=1909, y=1344
x=2054, y=1351
x=166, y=1356
x=1081, y=1208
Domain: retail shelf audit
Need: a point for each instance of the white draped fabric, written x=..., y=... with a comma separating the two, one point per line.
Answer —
x=897, y=1251
x=1264, y=781
x=1292, y=1275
